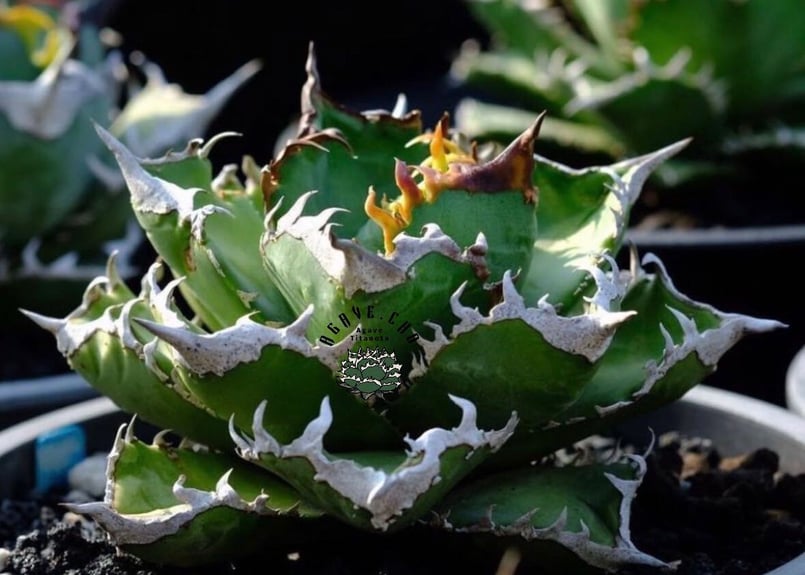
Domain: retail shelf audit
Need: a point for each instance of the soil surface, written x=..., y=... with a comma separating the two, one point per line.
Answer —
x=717, y=516
x=706, y=514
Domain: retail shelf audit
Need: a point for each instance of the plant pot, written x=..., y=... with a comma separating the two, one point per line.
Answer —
x=96, y=417
x=22, y=399
x=795, y=383
x=735, y=423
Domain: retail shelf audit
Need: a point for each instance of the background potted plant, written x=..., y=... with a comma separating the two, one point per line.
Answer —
x=64, y=209
x=443, y=279
x=616, y=79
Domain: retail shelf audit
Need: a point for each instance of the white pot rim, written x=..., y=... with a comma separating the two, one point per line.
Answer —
x=43, y=393
x=717, y=236
x=795, y=384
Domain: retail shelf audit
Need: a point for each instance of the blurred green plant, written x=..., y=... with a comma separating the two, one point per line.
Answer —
x=621, y=77
x=63, y=208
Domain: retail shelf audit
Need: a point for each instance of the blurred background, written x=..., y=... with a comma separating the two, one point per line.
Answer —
x=364, y=56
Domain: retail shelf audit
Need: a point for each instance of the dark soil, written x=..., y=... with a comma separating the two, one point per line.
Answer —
x=49, y=542
x=707, y=514
x=718, y=516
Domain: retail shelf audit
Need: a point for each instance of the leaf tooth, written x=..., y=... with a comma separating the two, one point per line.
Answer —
x=148, y=193
x=609, y=286
x=686, y=323
x=123, y=327
x=294, y=212
x=312, y=438
x=198, y=218
x=669, y=341
x=161, y=438
x=268, y=220
x=244, y=447
x=510, y=294
x=207, y=147
x=263, y=440
x=299, y=327
x=51, y=324
x=465, y=314
x=628, y=490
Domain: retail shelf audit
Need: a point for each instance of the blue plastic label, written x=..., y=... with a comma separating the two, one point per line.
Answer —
x=56, y=453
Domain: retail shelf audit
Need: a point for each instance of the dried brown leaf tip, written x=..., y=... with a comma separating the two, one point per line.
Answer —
x=314, y=99
x=270, y=178
x=451, y=167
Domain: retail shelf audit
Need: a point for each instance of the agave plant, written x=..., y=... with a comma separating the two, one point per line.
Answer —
x=389, y=328
x=622, y=77
x=64, y=206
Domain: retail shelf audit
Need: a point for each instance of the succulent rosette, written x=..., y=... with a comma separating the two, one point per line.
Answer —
x=64, y=205
x=390, y=326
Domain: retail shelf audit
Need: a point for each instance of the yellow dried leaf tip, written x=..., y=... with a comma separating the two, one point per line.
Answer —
x=395, y=216
x=384, y=218
x=37, y=30
x=451, y=167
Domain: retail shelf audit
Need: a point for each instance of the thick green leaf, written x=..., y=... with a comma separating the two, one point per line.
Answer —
x=382, y=491
x=399, y=293
x=340, y=153
x=506, y=220
x=102, y=342
x=668, y=328
x=531, y=382
x=542, y=363
x=341, y=176
x=582, y=216
x=191, y=228
x=190, y=168
x=670, y=345
x=181, y=506
x=584, y=509
x=230, y=255
x=387, y=300
x=362, y=130
x=462, y=241
x=234, y=370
